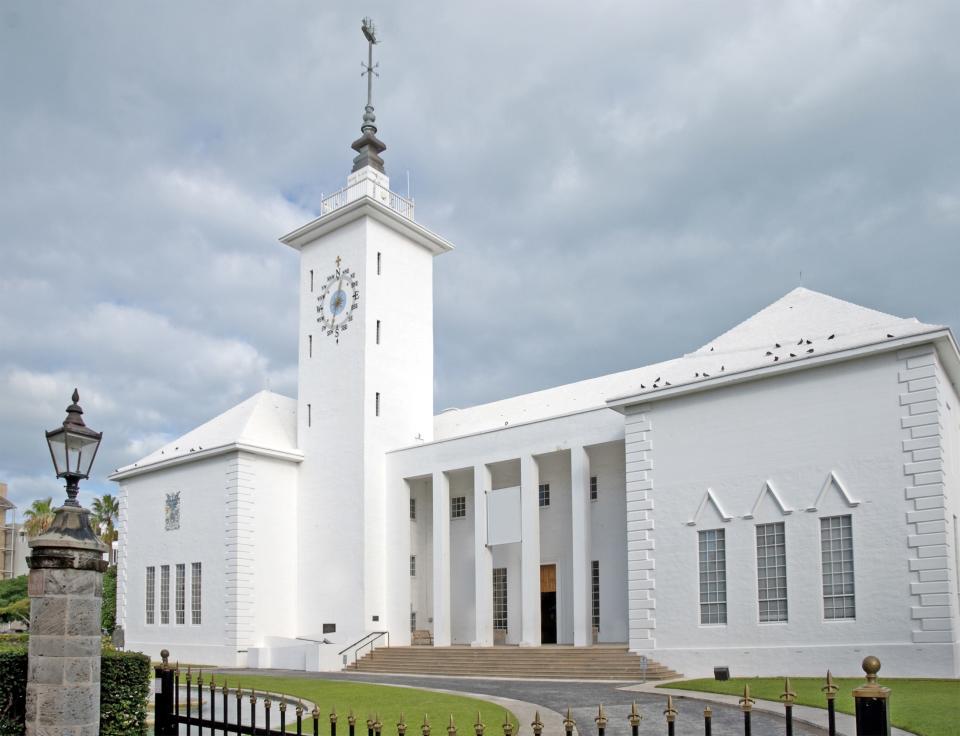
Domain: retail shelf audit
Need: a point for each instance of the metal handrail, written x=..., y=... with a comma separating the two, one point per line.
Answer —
x=367, y=188
x=360, y=643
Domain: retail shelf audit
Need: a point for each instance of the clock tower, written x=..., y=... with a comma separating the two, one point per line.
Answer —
x=365, y=383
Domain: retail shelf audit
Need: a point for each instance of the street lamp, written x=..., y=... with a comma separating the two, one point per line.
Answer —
x=73, y=448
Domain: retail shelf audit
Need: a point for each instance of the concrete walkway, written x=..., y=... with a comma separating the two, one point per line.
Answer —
x=846, y=724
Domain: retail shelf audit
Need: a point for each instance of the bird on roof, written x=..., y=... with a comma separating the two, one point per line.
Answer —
x=667, y=383
x=810, y=350
x=642, y=386
x=776, y=345
x=776, y=358
x=769, y=353
x=889, y=335
x=800, y=342
x=706, y=375
x=722, y=368
x=793, y=355
x=832, y=336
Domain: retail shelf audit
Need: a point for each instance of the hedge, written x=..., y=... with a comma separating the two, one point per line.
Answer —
x=124, y=688
x=108, y=610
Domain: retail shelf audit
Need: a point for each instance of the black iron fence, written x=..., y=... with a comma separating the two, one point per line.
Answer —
x=208, y=708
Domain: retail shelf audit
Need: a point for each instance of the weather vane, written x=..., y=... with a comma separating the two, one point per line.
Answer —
x=369, y=70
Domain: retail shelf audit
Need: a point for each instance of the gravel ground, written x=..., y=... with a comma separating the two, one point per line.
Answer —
x=583, y=699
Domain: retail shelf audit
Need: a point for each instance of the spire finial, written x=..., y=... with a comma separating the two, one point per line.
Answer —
x=368, y=147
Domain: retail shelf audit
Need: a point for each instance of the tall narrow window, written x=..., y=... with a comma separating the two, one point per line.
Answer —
x=151, y=594
x=500, y=598
x=593, y=488
x=771, y=572
x=181, y=605
x=413, y=509
x=310, y=349
x=378, y=332
x=379, y=260
x=543, y=494
x=196, y=583
x=413, y=621
x=309, y=415
x=311, y=279
x=595, y=593
x=713, y=577
x=165, y=594
x=377, y=404
x=458, y=507
x=836, y=549
x=413, y=566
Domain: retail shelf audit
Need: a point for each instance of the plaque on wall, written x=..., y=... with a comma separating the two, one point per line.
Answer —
x=171, y=511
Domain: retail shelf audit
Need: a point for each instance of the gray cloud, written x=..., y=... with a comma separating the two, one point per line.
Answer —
x=623, y=182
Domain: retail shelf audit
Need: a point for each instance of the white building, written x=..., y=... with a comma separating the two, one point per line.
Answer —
x=789, y=491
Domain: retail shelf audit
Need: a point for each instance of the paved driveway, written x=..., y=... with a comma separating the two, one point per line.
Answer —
x=583, y=699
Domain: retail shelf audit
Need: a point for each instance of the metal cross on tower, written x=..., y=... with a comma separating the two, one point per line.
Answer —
x=369, y=70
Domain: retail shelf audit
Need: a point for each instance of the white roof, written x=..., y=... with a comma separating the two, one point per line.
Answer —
x=266, y=421
x=803, y=324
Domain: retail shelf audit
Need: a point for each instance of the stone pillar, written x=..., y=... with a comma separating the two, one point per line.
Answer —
x=580, y=544
x=441, y=559
x=482, y=560
x=65, y=588
x=530, y=633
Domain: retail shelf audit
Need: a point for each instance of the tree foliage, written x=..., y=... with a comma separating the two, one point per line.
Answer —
x=106, y=510
x=108, y=610
x=39, y=517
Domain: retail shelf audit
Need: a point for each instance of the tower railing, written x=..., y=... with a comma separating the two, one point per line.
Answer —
x=367, y=188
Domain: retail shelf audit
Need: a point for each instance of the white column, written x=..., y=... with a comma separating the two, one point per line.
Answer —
x=580, y=546
x=529, y=551
x=483, y=560
x=441, y=560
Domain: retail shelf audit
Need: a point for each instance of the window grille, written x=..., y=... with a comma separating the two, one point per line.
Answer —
x=413, y=509
x=181, y=593
x=836, y=548
x=593, y=488
x=151, y=601
x=595, y=593
x=772, y=572
x=713, y=576
x=165, y=594
x=196, y=583
x=458, y=507
x=500, y=598
x=413, y=566
x=543, y=494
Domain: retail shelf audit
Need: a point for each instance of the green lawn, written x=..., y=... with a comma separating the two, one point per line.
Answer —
x=926, y=707
x=387, y=701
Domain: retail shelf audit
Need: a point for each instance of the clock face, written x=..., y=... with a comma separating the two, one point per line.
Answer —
x=339, y=299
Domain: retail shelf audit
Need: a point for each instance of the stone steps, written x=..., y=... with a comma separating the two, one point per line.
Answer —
x=555, y=662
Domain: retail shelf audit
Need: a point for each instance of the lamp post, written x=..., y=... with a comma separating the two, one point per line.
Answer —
x=65, y=588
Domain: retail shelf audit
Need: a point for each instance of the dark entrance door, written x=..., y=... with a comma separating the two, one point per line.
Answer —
x=548, y=604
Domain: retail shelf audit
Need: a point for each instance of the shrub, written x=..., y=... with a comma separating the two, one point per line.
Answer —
x=124, y=688
x=13, y=590
x=108, y=611
x=13, y=689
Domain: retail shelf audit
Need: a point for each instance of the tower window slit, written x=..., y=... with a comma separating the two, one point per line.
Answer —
x=311, y=279
x=309, y=415
x=310, y=341
x=378, y=332
x=379, y=262
x=377, y=404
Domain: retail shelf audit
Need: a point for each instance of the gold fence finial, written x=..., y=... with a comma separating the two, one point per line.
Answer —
x=377, y=725
x=213, y=680
x=283, y=706
x=601, y=719
x=165, y=658
x=670, y=712
x=478, y=727
x=401, y=725
x=425, y=728
x=635, y=716
x=537, y=724
x=452, y=727
x=333, y=715
x=788, y=696
x=188, y=674
x=315, y=713
x=830, y=689
x=253, y=696
x=746, y=702
x=568, y=722
x=507, y=724
x=351, y=718
x=708, y=712
x=199, y=678
x=224, y=688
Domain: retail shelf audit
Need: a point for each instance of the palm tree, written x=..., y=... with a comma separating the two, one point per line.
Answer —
x=105, y=512
x=38, y=517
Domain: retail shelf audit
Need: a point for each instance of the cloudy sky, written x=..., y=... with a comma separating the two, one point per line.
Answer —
x=623, y=181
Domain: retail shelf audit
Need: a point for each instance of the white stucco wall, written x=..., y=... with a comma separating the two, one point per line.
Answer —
x=231, y=508
x=792, y=431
